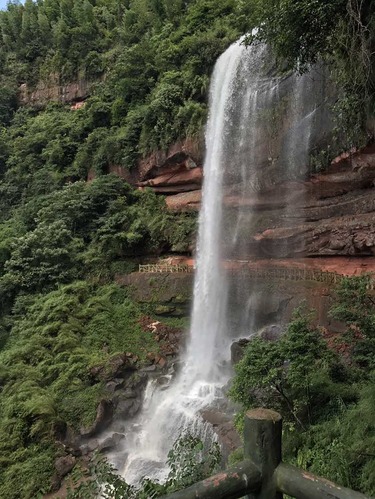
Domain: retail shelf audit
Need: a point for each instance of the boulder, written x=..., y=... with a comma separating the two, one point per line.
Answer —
x=272, y=332
x=237, y=349
x=128, y=401
x=64, y=465
x=104, y=415
x=114, y=385
x=127, y=408
x=110, y=443
x=118, y=367
x=223, y=426
x=89, y=447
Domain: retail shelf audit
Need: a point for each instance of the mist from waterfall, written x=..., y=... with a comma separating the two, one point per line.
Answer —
x=243, y=99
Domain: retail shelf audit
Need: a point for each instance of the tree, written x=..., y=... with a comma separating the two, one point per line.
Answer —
x=189, y=461
x=339, y=33
x=42, y=258
x=356, y=307
x=297, y=375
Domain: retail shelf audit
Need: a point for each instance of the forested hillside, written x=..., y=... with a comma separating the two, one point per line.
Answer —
x=62, y=239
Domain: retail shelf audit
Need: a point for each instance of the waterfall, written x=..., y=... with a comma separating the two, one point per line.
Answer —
x=167, y=413
x=253, y=129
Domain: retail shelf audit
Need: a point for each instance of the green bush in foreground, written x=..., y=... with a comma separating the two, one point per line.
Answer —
x=326, y=398
x=189, y=461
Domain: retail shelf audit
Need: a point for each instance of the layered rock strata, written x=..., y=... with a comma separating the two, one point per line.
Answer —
x=328, y=214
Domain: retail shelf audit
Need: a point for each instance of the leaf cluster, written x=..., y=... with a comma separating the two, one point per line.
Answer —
x=189, y=461
x=341, y=34
x=45, y=375
x=298, y=375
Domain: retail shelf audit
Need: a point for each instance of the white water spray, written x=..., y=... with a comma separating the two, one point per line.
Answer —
x=242, y=99
x=168, y=413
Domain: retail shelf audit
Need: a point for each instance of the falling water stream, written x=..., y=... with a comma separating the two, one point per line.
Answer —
x=240, y=143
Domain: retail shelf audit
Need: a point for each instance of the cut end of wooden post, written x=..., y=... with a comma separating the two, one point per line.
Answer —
x=262, y=414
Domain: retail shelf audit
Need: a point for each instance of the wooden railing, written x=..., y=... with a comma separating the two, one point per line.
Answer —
x=297, y=274
x=262, y=475
x=164, y=267
x=288, y=274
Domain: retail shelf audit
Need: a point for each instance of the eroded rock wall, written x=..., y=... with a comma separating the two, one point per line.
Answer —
x=327, y=214
x=52, y=90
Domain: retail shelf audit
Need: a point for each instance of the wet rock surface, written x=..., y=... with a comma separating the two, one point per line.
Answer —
x=125, y=381
x=271, y=332
x=111, y=443
x=222, y=423
x=104, y=415
x=325, y=214
x=63, y=465
x=237, y=349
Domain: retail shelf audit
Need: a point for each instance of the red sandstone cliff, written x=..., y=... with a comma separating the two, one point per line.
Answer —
x=329, y=214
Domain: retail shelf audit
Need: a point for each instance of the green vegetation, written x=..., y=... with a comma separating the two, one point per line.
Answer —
x=323, y=387
x=189, y=460
x=341, y=34
x=53, y=328
x=54, y=341
x=147, y=63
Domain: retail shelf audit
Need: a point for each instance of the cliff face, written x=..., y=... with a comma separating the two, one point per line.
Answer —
x=331, y=214
x=53, y=91
x=328, y=214
x=176, y=173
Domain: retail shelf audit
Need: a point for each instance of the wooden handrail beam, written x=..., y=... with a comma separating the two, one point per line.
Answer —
x=262, y=475
x=304, y=485
x=230, y=484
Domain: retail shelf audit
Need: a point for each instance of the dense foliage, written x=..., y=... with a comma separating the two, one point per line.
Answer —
x=339, y=32
x=45, y=373
x=51, y=334
x=148, y=61
x=147, y=64
x=324, y=388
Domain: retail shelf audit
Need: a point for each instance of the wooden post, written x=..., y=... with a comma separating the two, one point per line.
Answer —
x=262, y=446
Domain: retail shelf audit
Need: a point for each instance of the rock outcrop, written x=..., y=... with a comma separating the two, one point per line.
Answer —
x=183, y=155
x=222, y=424
x=338, y=236
x=53, y=90
x=177, y=170
x=328, y=214
x=176, y=179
